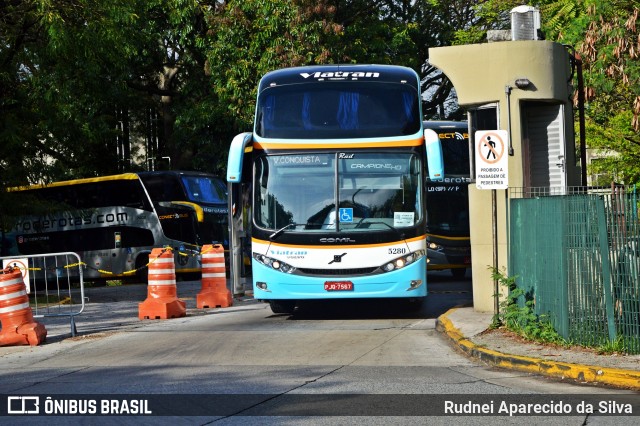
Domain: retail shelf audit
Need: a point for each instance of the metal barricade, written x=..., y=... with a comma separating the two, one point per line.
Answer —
x=54, y=282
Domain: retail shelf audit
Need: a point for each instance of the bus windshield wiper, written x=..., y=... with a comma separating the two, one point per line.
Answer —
x=281, y=230
x=393, y=228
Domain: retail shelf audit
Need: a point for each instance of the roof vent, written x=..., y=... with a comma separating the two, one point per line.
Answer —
x=525, y=23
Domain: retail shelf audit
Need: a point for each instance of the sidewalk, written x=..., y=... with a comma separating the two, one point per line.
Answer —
x=469, y=331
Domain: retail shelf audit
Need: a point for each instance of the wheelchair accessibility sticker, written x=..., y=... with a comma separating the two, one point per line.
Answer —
x=346, y=215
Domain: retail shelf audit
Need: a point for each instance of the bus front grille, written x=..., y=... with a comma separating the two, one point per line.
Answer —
x=336, y=272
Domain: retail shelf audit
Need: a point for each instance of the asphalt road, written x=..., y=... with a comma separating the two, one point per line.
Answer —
x=273, y=366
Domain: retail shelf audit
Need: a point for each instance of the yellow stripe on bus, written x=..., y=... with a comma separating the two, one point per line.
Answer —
x=123, y=176
x=194, y=206
x=444, y=237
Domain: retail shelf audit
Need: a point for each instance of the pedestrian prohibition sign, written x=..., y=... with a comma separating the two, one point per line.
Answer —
x=491, y=161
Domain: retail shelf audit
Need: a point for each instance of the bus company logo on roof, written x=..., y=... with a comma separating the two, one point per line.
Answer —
x=335, y=75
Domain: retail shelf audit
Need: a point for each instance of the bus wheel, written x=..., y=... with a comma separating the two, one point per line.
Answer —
x=459, y=273
x=415, y=304
x=282, y=306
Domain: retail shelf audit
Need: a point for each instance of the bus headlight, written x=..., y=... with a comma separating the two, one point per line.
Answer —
x=403, y=261
x=274, y=263
x=435, y=247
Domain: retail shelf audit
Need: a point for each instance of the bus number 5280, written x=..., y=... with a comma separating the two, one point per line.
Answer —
x=397, y=250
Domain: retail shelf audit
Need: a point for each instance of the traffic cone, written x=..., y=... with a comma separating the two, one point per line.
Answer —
x=162, y=300
x=18, y=326
x=214, y=292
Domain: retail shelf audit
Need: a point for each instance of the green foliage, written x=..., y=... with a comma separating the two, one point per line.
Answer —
x=616, y=346
x=250, y=38
x=558, y=17
x=564, y=19
x=517, y=313
x=605, y=34
x=610, y=52
x=77, y=78
x=488, y=15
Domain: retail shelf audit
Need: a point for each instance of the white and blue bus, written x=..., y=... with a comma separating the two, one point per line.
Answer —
x=333, y=178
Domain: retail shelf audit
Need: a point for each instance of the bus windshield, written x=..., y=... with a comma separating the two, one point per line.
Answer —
x=338, y=110
x=202, y=189
x=371, y=191
x=448, y=210
x=455, y=153
x=92, y=194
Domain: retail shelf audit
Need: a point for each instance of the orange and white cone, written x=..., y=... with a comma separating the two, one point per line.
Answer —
x=214, y=292
x=18, y=326
x=162, y=299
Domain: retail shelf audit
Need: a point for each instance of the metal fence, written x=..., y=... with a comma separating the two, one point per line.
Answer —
x=576, y=253
x=54, y=282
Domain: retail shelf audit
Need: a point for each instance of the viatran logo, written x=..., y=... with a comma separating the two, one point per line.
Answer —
x=337, y=240
x=341, y=74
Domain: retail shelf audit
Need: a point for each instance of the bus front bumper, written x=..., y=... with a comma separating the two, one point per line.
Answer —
x=408, y=282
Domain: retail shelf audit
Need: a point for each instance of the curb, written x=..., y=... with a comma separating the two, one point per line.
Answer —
x=627, y=379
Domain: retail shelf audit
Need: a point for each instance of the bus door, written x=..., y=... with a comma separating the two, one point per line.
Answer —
x=120, y=247
x=238, y=188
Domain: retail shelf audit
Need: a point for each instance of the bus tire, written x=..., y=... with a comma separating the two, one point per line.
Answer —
x=282, y=306
x=415, y=304
x=459, y=273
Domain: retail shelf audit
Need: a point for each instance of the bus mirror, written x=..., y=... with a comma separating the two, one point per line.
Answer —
x=435, y=160
x=236, y=155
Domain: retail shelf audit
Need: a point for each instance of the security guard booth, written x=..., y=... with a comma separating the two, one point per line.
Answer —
x=523, y=87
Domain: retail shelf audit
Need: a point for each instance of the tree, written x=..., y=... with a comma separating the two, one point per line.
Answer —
x=440, y=23
x=610, y=51
x=21, y=32
x=250, y=38
x=86, y=81
x=605, y=35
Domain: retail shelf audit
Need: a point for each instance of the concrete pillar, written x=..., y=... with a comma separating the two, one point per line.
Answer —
x=494, y=73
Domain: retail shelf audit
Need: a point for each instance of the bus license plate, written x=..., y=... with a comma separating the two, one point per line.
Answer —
x=338, y=286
